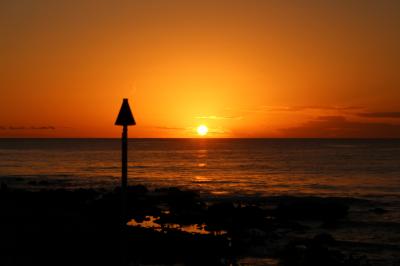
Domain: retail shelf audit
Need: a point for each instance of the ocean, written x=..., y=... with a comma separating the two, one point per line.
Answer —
x=219, y=167
x=366, y=171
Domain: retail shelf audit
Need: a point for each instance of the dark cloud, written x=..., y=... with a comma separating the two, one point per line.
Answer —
x=316, y=107
x=170, y=128
x=304, y=108
x=381, y=114
x=43, y=128
x=340, y=127
x=214, y=117
x=27, y=128
x=17, y=128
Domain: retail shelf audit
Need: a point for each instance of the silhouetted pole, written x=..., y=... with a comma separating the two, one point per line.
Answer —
x=124, y=170
x=125, y=119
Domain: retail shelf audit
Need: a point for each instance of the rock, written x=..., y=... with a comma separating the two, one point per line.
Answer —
x=4, y=187
x=137, y=190
x=312, y=253
x=312, y=208
x=324, y=239
x=222, y=210
x=379, y=210
x=249, y=216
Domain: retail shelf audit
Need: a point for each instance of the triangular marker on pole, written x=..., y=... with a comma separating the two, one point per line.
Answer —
x=125, y=117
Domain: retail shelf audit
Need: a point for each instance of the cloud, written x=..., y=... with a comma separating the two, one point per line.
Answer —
x=340, y=127
x=219, y=130
x=214, y=117
x=211, y=131
x=27, y=128
x=43, y=128
x=301, y=108
x=380, y=114
x=170, y=128
x=311, y=107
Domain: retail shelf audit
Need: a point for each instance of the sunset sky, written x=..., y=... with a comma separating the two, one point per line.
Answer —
x=243, y=68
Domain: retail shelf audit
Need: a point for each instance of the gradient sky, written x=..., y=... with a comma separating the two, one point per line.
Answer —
x=244, y=68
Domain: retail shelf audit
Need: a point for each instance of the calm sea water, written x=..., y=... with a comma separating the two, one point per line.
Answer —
x=362, y=168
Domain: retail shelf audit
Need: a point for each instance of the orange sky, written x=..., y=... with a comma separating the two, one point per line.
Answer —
x=244, y=68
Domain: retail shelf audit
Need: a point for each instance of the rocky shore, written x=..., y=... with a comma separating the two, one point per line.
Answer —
x=169, y=226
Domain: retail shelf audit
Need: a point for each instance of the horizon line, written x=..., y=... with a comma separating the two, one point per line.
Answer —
x=205, y=138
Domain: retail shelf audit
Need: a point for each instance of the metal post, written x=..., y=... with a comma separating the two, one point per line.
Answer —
x=124, y=185
x=124, y=174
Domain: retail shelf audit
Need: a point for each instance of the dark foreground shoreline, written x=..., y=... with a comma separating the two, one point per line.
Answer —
x=174, y=227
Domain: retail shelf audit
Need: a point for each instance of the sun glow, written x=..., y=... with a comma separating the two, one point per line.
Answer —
x=202, y=130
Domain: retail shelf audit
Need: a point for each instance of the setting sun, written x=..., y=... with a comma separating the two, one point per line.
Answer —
x=202, y=130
